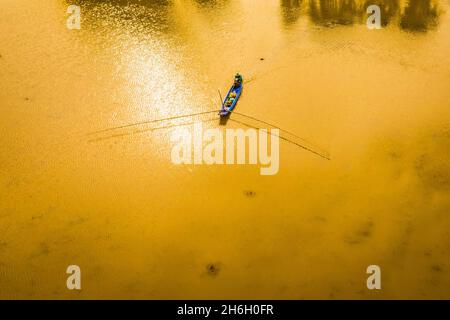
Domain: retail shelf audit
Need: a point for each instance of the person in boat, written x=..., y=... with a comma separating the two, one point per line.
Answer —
x=229, y=102
x=237, y=80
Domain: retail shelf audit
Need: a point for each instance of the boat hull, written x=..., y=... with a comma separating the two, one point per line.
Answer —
x=226, y=111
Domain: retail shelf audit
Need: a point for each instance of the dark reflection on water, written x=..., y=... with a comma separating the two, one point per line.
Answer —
x=153, y=16
x=212, y=4
x=417, y=15
x=290, y=11
x=136, y=16
x=330, y=13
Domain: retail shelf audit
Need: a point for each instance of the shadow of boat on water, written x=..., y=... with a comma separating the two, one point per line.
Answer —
x=223, y=121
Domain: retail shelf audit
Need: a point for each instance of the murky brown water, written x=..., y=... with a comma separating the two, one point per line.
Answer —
x=140, y=227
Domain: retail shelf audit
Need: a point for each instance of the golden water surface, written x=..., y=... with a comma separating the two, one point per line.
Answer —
x=86, y=179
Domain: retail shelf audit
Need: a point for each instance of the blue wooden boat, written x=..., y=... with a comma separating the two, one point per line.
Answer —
x=236, y=91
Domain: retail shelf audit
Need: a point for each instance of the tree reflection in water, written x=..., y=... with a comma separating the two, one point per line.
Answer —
x=416, y=15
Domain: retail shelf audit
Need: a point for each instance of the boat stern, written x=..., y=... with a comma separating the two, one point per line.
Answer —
x=224, y=113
